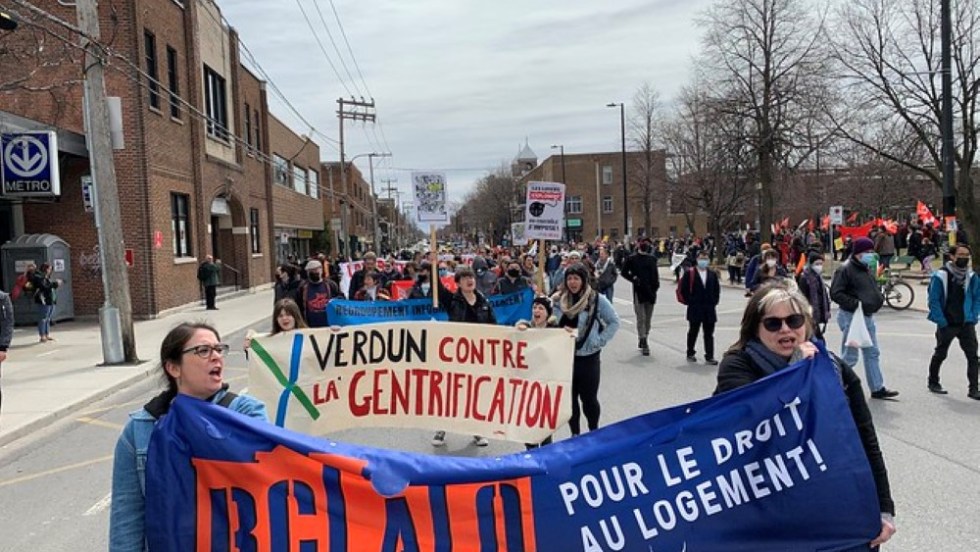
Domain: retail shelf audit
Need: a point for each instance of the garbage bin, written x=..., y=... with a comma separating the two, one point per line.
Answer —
x=16, y=254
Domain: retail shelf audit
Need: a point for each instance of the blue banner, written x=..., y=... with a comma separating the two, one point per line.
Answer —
x=773, y=466
x=508, y=309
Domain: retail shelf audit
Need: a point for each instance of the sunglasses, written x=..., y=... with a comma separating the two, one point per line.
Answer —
x=204, y=351
x=774, y=323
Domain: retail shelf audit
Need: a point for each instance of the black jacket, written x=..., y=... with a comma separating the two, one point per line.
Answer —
x=44, y=289
x=504, y=285
x=737, y=370
x=702, y=299
x=641, y=270
x=853, y=282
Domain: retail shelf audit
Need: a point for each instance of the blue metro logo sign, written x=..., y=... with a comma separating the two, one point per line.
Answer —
x=29, y=165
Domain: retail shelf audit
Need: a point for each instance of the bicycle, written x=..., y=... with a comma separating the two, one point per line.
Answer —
x=898, y=293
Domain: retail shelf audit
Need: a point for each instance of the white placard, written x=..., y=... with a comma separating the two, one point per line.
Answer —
x=518, y=233
x=545, y=214
x=429, y=189
x=837, y=214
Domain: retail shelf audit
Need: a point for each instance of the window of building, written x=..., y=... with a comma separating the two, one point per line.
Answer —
x=314, y=184
x=153, y=84
x=607, y=174
x=607, y=204
x=574, y=205
x=280, y=170
x=215, y=104
x=253, y=230
x=173, y=82
x=299, y=179
x=180, y=224
x=255, y=123
x=248, y=129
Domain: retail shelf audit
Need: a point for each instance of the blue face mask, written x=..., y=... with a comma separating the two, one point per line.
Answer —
x=702, y=263
x=866, y=258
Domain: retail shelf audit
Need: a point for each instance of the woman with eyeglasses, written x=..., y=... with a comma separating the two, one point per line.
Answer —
x=192, y=363
x=776, y=331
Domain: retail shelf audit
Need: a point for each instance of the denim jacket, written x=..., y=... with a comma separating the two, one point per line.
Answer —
x=126, y=529
x=606, y=316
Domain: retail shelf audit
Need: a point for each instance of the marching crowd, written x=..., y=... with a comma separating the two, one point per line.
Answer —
x=788, y=309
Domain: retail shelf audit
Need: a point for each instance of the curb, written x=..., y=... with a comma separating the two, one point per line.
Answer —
x=145, y=369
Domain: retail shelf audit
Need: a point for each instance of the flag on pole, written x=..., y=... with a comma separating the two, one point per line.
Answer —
x=825, y=222
x=924, y=213
x=852, y=217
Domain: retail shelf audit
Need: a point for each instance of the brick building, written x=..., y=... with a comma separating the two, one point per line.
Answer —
x=350, y=204
x=195, y=176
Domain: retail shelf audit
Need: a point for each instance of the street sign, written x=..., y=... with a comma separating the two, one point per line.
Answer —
x=88, y=196
x=29, y=164
x=837, y=214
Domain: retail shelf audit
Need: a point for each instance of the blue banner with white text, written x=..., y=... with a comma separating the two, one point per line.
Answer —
x=773, y=466
x=509, y=309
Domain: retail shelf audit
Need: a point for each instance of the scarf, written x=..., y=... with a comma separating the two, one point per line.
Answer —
x=768, y=361
x=572, y=310
x=958, y=274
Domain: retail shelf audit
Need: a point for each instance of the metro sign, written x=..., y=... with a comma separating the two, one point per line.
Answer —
x=29, y=164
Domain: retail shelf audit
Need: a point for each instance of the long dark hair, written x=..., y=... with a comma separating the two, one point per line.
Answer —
x=779, y=290
x=290, y=307
x=172, y=350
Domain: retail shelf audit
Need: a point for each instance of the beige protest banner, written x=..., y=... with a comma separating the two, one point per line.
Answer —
x=483, y=379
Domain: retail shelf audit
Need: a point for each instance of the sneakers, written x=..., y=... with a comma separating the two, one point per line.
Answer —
x=884, y=393
x=480, y=441
x=937, y=389
x=644, y=347
x=692, y=358
x=974, y=394
x=711, y=362
x=439, y=439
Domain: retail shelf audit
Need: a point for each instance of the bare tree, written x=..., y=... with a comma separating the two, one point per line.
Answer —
x=889, y=51
x=33, y=57
x=490, y=206
x=646, y=184
x=765, y=59
x=710, y=160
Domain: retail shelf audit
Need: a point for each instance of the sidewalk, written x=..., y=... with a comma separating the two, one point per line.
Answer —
x=43, y=382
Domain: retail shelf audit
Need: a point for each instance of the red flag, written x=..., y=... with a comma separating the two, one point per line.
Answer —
x=856, y=231
x=785, y=223
x=852, y=218
x=890, y=226
x=924, y=213
x=825, y=222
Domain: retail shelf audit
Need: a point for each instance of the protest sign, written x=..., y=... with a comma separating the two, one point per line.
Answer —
x=518, y=233
x=545, y=216
x=508, y=310
x=480, y=379
x=770, y=467
x=430, y=197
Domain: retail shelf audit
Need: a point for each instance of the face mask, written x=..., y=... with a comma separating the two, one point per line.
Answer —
x=702, y=263
x=771, y=263
x=314, y=276
x=818, y=268
x=962, y=263
x=370, y=289
x=513, y=273
x=443, y=272
x=426, y=287
x=866, y=258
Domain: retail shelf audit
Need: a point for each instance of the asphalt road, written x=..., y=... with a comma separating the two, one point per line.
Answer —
x=54, y=485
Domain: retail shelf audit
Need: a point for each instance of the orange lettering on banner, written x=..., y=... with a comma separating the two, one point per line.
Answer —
x=323, y=496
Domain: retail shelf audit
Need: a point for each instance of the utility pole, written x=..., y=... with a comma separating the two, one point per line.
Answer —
x=946, y=129
x=376, y=236
x=116, y=314
x=356, y=111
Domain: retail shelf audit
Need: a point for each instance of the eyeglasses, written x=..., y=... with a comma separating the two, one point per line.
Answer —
x=774, y=323
x=204, y=351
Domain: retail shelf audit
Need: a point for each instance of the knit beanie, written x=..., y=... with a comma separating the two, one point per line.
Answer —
x=861, y=245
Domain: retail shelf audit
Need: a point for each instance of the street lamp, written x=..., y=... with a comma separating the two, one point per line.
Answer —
x=564, y=181
x=622, y=133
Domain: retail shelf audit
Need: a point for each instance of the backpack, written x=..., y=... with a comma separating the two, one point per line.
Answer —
x=679, y=290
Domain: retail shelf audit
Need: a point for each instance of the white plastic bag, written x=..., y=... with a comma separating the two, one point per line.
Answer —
x=858, y=335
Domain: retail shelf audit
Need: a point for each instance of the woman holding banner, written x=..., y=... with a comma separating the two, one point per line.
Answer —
x=541, y=317
x=581, y=307
x=776, y=332
x=286, y=317
x=191, y=361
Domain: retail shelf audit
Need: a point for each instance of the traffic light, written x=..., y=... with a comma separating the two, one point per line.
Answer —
x=7, y=22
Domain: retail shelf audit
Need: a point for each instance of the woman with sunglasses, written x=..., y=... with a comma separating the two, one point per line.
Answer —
x=192, y=363
x=776, y=331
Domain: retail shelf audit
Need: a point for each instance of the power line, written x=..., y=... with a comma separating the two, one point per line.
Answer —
x=349, y=50
x=323, y=49
x=340, y=55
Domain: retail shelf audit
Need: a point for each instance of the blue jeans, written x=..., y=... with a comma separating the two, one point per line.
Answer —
x=872, y=365
x=44, y=313
x=609, y=293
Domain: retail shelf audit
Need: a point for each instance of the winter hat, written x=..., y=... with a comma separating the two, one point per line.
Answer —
x=814, y=256
x=314, y=265
x=544, y=302
x=861, y=245
x=577, y=269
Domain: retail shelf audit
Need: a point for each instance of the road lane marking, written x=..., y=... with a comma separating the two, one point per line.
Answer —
x=53, y=471
x=99, y=506
x=100, y=423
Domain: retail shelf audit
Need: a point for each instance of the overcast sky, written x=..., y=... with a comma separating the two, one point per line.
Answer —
x=460, y=84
